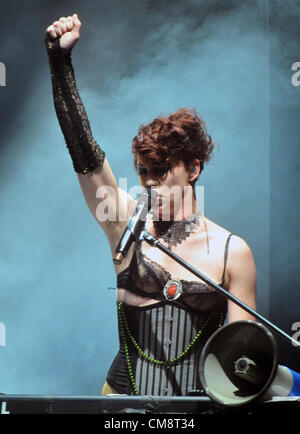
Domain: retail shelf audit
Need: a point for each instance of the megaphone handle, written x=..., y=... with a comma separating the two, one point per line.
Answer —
x=151, y=239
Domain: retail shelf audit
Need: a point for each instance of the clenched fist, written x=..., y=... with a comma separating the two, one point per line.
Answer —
x=67, y=30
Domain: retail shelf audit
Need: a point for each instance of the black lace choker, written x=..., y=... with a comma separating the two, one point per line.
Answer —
x=175, y=231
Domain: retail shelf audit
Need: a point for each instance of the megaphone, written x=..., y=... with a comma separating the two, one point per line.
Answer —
x=239, y=364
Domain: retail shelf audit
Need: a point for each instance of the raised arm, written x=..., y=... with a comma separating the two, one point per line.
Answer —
x=93, y=170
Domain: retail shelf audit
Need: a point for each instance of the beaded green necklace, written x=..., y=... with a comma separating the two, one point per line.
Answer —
x=124, y=328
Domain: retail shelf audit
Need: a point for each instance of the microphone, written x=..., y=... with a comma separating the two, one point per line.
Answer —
x=135, y=225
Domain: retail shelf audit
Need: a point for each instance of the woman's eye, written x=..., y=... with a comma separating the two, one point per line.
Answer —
x=160, y=170
x=157, y=171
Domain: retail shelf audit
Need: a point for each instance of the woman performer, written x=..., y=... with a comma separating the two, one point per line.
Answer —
x=165, y=314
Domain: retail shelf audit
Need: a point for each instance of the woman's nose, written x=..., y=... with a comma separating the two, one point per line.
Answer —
x=152, y=182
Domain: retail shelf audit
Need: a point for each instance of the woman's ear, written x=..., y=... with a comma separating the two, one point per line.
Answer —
x=194, y=170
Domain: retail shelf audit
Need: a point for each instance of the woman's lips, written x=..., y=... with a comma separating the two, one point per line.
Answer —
x=161, y=206
x=158, y=202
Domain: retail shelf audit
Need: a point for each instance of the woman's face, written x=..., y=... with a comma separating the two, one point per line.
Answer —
x=173, y=186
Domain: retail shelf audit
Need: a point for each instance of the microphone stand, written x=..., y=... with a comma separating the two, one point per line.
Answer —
x=153, y=241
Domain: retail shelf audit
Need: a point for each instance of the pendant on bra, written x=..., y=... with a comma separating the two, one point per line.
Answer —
x=172, y=290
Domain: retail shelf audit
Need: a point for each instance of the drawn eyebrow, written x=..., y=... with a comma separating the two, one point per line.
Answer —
x=155, y=169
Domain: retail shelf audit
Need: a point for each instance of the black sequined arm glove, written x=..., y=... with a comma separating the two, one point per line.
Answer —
x=86, y=154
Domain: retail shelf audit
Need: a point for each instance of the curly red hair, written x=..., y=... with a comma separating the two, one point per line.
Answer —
x=180, y=136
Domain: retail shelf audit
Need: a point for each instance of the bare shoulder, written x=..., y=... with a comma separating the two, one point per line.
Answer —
x=241, y=269
x=219, y=234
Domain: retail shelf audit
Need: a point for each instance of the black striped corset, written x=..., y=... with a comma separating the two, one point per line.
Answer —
x=161, y=346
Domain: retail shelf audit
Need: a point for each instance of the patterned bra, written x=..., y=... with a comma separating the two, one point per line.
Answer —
x=147, y=278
